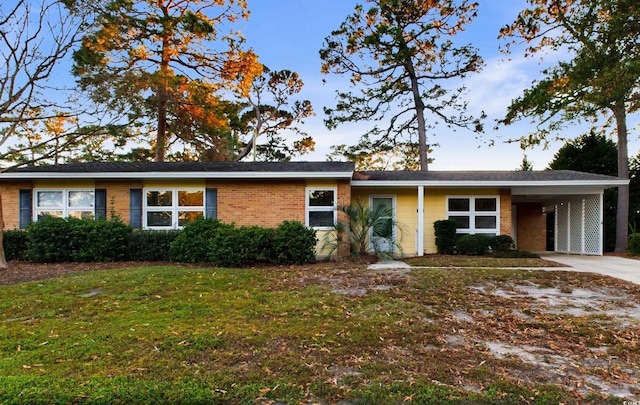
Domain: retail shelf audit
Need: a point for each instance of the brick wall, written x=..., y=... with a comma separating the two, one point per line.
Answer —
x=11, y=202
x=505, y=212
x=260, y=202
x=532, y=225
x=118, y=196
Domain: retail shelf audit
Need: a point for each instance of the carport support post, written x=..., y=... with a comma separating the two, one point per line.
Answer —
x=420, y=236
x=601, y=213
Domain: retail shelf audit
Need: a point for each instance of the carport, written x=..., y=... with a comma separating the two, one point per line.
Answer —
x=578, y=225
x=575, y=200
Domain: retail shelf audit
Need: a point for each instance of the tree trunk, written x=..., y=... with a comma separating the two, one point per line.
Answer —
x=3, y=260
x=622, y=213
x=422, y=128
x=161, y=134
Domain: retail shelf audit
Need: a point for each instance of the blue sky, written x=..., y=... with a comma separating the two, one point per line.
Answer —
x=287, y=34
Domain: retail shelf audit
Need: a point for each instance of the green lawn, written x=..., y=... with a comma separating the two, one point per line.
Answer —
x=317, y=334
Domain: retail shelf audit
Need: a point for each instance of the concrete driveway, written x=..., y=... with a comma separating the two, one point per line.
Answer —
x=625, y=269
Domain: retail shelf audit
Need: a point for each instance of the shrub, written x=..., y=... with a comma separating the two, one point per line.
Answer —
x=634, y=244
x=240, y=247
x=15, y=244
x=98, y=240
x=48, y=240
x=193, y=242
x=445, y=231
x=152, y=246
x=473, y=244
x=293, y=243
x=55, y=240
x=501, y=243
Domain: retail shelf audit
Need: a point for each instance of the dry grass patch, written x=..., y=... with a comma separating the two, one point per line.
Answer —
x=447, y=261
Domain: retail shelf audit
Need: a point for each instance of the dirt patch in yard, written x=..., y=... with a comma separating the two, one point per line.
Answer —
x=576, y=330
x=19, y=271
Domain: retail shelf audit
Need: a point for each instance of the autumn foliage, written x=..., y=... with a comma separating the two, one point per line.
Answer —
x=169, y=60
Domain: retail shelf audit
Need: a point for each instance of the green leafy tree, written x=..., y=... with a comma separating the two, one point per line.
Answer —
x=526, y=165
x=270, y=112
x=366, y=230
x=169, y=60
x=398, y=55
x=593, y=153
x=402, y=156
x=601, y=75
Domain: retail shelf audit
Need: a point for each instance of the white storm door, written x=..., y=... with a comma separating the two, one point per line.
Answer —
x=383, y=236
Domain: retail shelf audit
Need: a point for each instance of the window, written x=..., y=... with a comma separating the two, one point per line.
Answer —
x=474, y=214
x=321, y=207
x=172, y=208
x=64, y=204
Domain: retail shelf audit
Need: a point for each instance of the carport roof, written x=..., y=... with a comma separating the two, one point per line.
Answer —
x=485, y=178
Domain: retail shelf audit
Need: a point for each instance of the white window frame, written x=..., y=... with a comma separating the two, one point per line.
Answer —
x=174, y=208
x=333, y=208
x=472, y=214
x=65, y=201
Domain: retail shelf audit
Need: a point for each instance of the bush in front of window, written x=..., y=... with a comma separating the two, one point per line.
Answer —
x=98, y=240
x=56, y=240
x=293, y=243
x=634, y=244
x=192, y=243
x=501, y=243
x=48, y=240
x=446, y=237
x=240, y=247
x=15, y=244
x=474, y=245
x=151, y=246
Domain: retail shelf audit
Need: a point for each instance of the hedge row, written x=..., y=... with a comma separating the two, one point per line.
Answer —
x=448, y=242
x=209, y=240
x=52, y=240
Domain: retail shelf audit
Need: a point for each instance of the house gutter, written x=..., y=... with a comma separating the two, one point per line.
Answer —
x=489, y=183
x=173, y=175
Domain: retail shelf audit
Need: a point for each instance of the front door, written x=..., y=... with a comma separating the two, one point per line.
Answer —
x=382, y=232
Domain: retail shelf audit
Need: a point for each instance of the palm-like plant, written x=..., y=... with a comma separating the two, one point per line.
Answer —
x=367, y=230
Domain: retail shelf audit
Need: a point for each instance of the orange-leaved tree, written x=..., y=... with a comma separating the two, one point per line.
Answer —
x=166, y=59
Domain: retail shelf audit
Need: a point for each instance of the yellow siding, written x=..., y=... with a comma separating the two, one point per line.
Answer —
x=435, y=208
x=406, y=213
x=164, y=184
x=64, y=183
x=324, y=237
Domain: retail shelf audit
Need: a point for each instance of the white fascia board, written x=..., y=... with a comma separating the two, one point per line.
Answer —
x=493, y=184
x=556, y=190
x=176, y=175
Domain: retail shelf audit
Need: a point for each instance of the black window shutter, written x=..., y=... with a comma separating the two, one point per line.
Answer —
x=25, y=208
x=211, y=209
x=135, y=208
x=101, y=203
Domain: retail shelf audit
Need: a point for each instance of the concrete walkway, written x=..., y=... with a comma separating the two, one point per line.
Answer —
x=622, y=268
